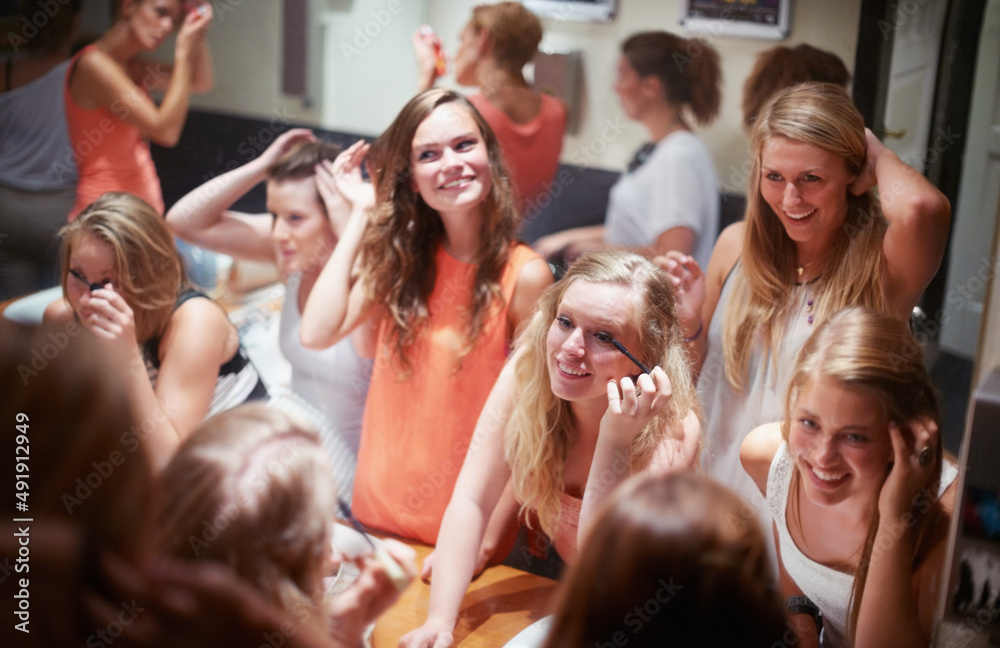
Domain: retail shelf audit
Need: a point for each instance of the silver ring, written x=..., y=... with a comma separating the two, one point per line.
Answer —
x=924, y=457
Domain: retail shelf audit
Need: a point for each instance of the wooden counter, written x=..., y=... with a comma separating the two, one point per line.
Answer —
x=499, y=604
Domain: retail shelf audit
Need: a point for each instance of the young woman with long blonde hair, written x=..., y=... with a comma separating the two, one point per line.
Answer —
x=570, y=417
x=815, y=240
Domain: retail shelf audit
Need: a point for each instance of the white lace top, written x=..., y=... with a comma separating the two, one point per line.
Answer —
x=828, y=588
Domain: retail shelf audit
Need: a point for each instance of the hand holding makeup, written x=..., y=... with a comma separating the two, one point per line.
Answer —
x=108, y=316
x=635, y=405
x=913, y=461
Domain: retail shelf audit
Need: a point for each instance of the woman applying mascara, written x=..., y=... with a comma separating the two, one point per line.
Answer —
x=570, y=417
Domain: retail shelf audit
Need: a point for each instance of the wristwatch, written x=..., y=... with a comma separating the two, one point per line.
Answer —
x=802, y=605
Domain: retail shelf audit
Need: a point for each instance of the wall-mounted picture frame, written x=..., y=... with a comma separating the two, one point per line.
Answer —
x=580, y=10
x=766, y=19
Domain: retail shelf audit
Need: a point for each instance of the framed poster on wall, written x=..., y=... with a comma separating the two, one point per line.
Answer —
x=584, y=10
x=769, y=19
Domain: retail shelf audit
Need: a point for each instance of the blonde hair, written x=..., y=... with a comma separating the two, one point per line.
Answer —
x=398, y=262
x=874, y=352
x=820, y=115
x=514, y=31
x=540, y=429
x=251, y=489
x=149, y=271
x=682, y=540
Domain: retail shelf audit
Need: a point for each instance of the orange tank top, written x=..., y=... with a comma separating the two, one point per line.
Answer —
x=111, y=154
x=417, y=428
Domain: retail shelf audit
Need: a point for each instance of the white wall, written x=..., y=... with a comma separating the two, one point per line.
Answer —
x=362, y=91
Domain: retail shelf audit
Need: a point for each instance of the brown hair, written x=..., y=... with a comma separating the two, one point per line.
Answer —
x=688, y=70
x=820, y=115
x=874, y=352
x=251, y=489
x=514, y=31
x=541, y=427
x=300, y=161
x=399, y=246
x=782, y=67
x=148, y=267
x=670, y=555
x=88, y=477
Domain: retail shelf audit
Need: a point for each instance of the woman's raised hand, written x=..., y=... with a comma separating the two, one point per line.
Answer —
x=106, y=314
x=688, y=281
x=282, y=143
x=867, y=179
x=193, y=29
x=342, y=187
x=631, y=405
x=913, y=451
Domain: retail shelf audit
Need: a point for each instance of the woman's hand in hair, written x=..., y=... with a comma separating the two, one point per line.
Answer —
x=193, y=30
x=908, y=476
x=635, y=404
x=867, y=178
x=689, y=288
x=342, y=187
x=283, y=143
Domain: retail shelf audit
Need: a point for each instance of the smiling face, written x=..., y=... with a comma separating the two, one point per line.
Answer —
x=580, y=356
x=806, y=187
x=91, y=261
x=450, y=163
x=840, y=441
x=301, y=230
x=151, y=21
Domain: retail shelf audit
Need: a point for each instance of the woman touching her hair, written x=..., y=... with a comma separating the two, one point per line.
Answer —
x=816, y=239
x=433, y=263
x=109, y=112
x=858, y=484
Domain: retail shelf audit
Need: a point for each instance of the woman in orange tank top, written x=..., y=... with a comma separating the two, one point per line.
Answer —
x=434, y=268
x=109, y=113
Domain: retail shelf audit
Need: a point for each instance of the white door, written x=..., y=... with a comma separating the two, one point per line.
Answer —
x=970, y=264
x=916, y=29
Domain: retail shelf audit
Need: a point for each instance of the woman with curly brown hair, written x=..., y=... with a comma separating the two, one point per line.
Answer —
x=436, y=266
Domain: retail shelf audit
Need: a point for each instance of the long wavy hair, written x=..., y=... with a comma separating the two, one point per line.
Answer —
x=540, y=430
x=399, y=247
x=679, y=542
x=820, y=115
x=251, y=489
x=149, y=270
x=874, y=352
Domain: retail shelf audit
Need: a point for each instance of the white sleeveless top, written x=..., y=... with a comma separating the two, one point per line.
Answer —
x=731, y=415
x=828, y=588
x=332, y=380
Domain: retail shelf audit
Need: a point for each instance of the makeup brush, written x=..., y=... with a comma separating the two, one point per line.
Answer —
x=396, y=574
x=621, y=347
